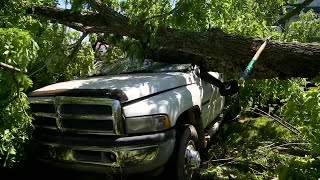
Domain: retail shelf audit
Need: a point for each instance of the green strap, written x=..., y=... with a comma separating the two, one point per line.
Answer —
x=248, y=69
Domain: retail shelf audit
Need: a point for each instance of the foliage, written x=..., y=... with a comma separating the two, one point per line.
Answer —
x=252, y=148
x=44, y=50
x=300, y=106
x=41, y=50
x=308, y=119
x=54, y=63
x=17, y=48
x=256, y=93
x=303, y=30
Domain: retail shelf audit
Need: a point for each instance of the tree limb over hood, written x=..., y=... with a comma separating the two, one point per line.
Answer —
x=214, y=49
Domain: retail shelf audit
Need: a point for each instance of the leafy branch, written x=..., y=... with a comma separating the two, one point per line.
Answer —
x=293, y=12
x=162, y=15
x=19, y=95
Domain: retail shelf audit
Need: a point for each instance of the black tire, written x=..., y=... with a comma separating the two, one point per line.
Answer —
x=185, y=136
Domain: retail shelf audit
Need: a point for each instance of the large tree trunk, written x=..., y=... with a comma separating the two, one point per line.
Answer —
x=212, y=49
x=231, y=54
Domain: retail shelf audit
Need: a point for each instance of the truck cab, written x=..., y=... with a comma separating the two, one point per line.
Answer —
x=133, y=118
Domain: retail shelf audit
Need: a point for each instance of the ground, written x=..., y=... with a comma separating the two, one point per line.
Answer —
x=249, y=149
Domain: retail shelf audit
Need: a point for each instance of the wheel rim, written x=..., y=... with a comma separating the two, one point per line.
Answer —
x=192, y=160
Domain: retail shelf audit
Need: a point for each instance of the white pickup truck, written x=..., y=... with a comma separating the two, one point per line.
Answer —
x=154, y=118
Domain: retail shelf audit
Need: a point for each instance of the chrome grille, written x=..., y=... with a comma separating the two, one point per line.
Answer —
x=77, y=114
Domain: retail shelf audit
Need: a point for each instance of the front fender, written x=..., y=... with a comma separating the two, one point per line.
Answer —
x=172, y=103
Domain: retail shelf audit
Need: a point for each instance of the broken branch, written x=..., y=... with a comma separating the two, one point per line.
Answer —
x=77, y=46
x=7, y=66
x=290, y=128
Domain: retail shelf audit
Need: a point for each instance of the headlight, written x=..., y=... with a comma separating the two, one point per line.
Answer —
x=147, y=124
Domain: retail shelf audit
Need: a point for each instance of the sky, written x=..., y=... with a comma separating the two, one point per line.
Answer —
x=62, y=4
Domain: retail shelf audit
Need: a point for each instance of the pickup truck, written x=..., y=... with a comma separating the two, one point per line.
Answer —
x=150, y=118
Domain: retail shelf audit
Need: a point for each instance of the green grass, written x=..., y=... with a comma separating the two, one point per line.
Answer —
x=251, y=149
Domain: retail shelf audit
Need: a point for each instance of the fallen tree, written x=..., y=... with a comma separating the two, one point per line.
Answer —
x=214, y=49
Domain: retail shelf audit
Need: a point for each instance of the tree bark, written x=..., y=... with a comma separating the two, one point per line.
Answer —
x=90, y=22
x=213, y=49
x=231, y=54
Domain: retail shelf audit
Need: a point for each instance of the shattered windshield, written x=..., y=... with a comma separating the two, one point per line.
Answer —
x=128, y=66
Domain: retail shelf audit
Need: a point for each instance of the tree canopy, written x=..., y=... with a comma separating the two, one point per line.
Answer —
x=42, y=42
x=222, y=36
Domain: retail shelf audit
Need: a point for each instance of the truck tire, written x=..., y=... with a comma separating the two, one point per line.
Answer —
x=186, y=156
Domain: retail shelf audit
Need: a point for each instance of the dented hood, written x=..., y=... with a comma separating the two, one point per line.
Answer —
x=124, y=87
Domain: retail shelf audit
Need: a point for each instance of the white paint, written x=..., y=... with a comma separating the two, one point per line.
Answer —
x=175, y=102
x=172, y=103
x=133, y=85
x=192, y=92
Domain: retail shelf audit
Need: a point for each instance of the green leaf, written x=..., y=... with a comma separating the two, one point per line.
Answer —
x=6, y=52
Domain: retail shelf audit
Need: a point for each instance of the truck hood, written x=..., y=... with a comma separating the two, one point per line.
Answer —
x=125, y=87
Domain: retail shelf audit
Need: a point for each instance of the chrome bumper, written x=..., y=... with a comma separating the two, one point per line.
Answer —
x=129, y=159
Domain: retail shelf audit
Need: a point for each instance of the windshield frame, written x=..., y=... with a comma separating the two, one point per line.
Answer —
x=129, y=66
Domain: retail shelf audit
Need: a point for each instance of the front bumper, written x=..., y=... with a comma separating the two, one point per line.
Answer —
x=135, y=154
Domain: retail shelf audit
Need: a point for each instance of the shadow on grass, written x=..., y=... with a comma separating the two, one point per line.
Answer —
x=238, y=151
